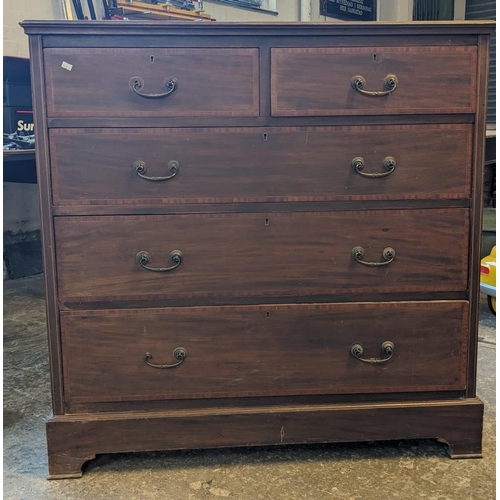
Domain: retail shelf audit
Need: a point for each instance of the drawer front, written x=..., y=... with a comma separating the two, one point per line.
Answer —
x=241, y=255
x=222, y=165
x=101, y=82
x=263, y=350
x=429, y=80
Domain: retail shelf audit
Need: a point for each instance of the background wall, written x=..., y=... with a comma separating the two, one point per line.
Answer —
x=15, y=42
x=395, y=10
x=460, y=9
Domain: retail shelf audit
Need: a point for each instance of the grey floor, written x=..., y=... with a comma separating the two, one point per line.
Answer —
x=371, y=471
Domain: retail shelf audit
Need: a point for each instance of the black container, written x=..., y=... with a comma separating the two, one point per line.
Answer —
x=17, y=104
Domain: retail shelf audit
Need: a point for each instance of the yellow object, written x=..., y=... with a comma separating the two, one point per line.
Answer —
x=489, y=278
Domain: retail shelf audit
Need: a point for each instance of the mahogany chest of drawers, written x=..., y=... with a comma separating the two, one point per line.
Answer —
x=259, y=234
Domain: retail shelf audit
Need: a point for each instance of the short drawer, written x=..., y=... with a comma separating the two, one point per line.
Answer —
x=152, y=82
x=222, y=165
x=436, y=79
x=264, y=350
x=279, y=254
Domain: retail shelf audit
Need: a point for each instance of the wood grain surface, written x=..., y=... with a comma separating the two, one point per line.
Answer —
x=258, y=121
x=477, y=208
x=73, y=440
x=263, y=350
x=225, y=165
x=211, y=82
x=244, y=255
x=159, y=405
x=46, y=220
x=430, y=80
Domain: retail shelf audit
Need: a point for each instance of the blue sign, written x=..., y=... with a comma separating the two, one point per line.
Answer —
x=350, y=10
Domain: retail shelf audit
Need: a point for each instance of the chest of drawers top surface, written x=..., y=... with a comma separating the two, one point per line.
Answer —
x=248, y=223
x=302, y=32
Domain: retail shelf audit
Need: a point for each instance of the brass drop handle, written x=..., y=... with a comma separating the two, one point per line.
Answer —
x=388, y=255
x=179, y=354
x=389, y=163
x=136, y=83
x=143, y=258
x=387, y=349
x=140, y=170
x=358, y=83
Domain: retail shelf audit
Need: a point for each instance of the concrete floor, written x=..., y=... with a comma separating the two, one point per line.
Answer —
x=371, y=471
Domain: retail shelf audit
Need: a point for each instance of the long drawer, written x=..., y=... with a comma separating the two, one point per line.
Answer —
x=340, y=81
x=222, y=165
x=264, y=350
x=152, y=82
x=279, y=254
